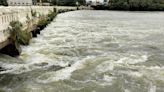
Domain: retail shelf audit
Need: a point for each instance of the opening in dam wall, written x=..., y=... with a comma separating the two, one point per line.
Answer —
x=22, y=32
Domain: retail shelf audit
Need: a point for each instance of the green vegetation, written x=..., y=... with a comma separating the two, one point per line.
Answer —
x=44, y=20
x=51, y=16
x=137, y=4
x=65, y=2
x=13, y=49
x=19, y=36
x=3, y=2
x=33, y=13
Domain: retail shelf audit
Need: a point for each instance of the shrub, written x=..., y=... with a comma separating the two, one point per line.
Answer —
x=33, y=13
x=17, y=35
x=44, y=20
x=51, y=15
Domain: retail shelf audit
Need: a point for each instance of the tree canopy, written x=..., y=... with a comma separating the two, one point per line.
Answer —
x=54, y=2
x=67, y=2
x=137, y=4
x=3, y=2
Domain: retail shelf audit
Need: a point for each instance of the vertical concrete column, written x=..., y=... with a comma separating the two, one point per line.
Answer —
x=14, y=16
x=0, y=20
x=0, y=24
x=3, y=19
x=7, y=16
x=11, y=17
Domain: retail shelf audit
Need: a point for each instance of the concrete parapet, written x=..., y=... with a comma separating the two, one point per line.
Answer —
x=18, y=13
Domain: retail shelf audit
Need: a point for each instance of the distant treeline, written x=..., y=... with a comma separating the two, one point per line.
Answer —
x=53, y=2
x=67, y=2
x=3, y=2
x=63, y=2
x=137, y=5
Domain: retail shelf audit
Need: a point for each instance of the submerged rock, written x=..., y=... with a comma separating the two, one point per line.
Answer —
x=2, y=69
x=69, y=65
x=41, y=64
x=55, y=67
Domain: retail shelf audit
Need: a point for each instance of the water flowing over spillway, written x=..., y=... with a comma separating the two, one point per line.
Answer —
x=91, y=51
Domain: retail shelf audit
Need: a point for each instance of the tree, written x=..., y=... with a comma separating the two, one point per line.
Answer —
x=3, y=2
x=137, y=4
x=68, y=2
x=54, y=2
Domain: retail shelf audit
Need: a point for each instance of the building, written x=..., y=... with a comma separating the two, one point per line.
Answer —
x=21, y=2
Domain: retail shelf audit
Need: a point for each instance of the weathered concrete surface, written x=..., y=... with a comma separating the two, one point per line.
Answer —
x=20, y=13
x=3, y=39
x=4, y=43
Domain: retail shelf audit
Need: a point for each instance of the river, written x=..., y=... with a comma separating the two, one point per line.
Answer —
x=91, y=51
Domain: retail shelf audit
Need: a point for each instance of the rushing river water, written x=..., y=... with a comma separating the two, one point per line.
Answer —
x=91, y=51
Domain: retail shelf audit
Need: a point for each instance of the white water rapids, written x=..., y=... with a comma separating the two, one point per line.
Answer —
x=91, y=51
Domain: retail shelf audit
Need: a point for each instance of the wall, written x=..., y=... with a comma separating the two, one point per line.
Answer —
x=19, y=2
x=18, y=13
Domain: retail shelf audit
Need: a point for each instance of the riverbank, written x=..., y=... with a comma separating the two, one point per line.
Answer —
x=21, y=34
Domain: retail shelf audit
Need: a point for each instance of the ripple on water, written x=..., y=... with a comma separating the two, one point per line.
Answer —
x=106, y=52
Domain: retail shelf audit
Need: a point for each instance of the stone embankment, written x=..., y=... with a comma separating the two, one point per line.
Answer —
x=29, y=17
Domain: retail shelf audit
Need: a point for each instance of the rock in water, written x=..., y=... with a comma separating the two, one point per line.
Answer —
x=55, y=68
x=41, y=64
x=2, y=69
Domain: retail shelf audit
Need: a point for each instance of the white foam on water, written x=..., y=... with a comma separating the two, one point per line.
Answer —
x=135, y=74
x=15, y=68
x=37, y=61
x=64, y=73
x=126, y=90
x=22, y=68
x=105, y=66
x=152, y=88
x=106, y=81
x=132, y=73
x=107, y=78
x=133, y=59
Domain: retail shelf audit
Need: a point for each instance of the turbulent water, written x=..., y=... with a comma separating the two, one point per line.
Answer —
x=91, y=51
